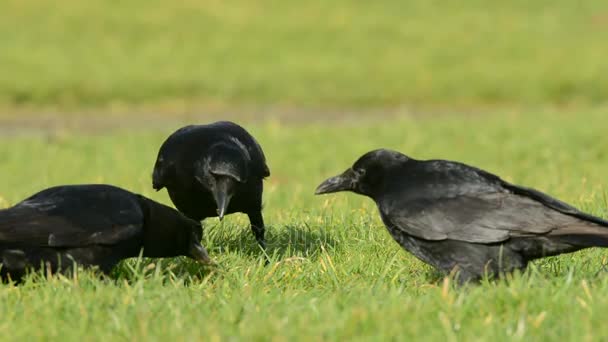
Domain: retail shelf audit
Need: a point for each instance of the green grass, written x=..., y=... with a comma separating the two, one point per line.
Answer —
x=335, y=273
x=315, y=54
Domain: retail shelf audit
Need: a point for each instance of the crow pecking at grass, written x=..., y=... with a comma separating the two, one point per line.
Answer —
x=213, y=170
x=92, y=225
x=457, y=217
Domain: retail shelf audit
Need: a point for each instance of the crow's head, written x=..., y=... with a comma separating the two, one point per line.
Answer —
x=168, y=233
x=367, y=175
x=190, y=241
x=221, y=170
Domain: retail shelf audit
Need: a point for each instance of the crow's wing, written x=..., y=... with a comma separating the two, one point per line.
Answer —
x=72, y=216
x=452, y=200
x=258, y=159
x=260, y=166
x=173, y=149
x=479, y=180
x=484, y=218
x=553, y=203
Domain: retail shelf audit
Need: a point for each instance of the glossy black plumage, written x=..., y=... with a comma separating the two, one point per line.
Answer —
x=92, y=225
x=212, y=170
x=452, y=215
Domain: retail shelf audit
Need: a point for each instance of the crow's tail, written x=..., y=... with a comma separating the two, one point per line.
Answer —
x=582, y=236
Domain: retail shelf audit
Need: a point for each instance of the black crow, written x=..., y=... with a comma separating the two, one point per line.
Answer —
x=455, y=216
x=213, y=170
x=92, y=225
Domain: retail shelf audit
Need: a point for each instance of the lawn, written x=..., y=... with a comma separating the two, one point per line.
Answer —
x=318, y=54
x=335, y=273
x=410, y=74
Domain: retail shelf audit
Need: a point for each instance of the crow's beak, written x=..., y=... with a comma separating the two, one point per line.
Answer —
x=222, y=200
x=199, y=253
x=222, y=195
x=343, y=182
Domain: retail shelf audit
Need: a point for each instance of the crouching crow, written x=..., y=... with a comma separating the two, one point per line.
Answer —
x=92, y=225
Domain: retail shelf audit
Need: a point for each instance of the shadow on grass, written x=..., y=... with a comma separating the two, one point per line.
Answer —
x=179, y=269
x=280, y=243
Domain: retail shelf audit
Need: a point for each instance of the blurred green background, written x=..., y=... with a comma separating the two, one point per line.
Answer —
x=77, y=54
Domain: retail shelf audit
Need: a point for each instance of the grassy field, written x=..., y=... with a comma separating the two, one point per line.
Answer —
x=335, y=273
x=316, y=54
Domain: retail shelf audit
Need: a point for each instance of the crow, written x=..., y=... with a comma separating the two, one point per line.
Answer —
x=213, y=170
x=92, y=225
x=456, y=217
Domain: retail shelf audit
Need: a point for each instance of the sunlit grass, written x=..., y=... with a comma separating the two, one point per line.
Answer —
x=335, y=273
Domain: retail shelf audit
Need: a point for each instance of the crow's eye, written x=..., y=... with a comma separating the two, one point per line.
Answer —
x=370, y=176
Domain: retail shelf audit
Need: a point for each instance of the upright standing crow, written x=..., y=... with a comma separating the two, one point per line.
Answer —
x=451, y=215
x=213, y=170
x=92, y=225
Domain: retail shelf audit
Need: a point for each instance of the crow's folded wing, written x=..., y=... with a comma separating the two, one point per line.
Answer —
x=483, y=218
x=258, y=159
x=63, y=220
x=553, y=203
